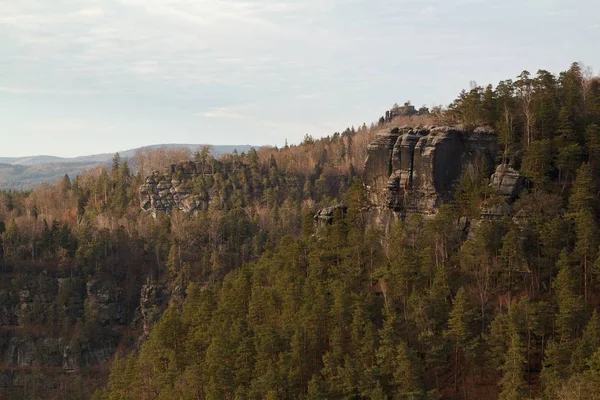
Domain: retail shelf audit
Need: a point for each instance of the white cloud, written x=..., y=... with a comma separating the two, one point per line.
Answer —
x=57, y=124
x=296, y=61
x=16, y=90
x=221, y=112
x=29, y=91
x=89, y=12
x=307, y=96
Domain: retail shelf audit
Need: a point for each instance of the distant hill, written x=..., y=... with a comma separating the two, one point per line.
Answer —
x=26, y=172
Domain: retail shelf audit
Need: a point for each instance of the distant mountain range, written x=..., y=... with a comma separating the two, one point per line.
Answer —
x=26, y=172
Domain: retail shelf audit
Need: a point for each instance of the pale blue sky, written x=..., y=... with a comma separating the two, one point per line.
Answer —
x=89, y=76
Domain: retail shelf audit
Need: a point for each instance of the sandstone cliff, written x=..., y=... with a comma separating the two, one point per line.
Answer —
x=173, y=189
x=41, y=312
x=415, y=170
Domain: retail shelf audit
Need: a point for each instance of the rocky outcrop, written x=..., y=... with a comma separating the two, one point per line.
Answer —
x=406, y=110
x=172, y=189
x=414, y=170
x=153, y=299
x=507, y=181
x=27, y=351
x=106, y=302
x=58, y=322
x=325, y=215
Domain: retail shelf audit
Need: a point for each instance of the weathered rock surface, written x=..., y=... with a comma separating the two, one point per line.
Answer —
x=153, y=299
x=35, y=305
x=172, y=189
x=414, y=170
x=106, y=301
x=507, y=180
x=26, y=351
x=508, y=183
x=325, y=215
x=405, y=110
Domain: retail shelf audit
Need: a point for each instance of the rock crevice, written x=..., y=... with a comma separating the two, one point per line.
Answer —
x=414, y=170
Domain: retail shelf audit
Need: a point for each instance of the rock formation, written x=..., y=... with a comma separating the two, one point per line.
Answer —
x=153, y=299
x=172, y=188
x=325, y=215
x=507, y=180
x=31, y=302
x=414, y=170
x=509, y=183
x=405, y=110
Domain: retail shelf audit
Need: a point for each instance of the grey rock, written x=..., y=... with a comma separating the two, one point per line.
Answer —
x=414, y=170
x=325, y=215
x=6, y=379
x=152, y=299
x=106, y=301
x=50, y=351
x=97, y=352
x=172, y=189
x=378, y=165
x=507, y=180
x=70, y=358
x=21, y=352
x=9, y=313
x=497, y=210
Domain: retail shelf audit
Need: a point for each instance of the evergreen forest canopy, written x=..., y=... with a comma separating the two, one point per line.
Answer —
x=263, y=305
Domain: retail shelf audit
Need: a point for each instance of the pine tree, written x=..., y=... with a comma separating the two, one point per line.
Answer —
x=66, y=183
x=317, y=389
x=586, y=245
x=388, y=339
x=459, y=330
x=512, y=383
x=537, y=162
x=512, y=252
x=557, y=357
x=407, y=377
x=582, y=194
x=592, y=140
x=439, y=295
x=497, y=340
x=589, y=342
x=569, y=303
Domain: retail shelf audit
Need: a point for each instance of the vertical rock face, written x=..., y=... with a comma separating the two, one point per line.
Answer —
x=414, y=170
x=153, y=298
x=106, y=302
x=39, y=332
x=509, y=183
x=507, y=180
x=378, y=166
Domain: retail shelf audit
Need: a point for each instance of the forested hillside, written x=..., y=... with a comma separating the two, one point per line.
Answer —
x=25, y=173
x=250, y=297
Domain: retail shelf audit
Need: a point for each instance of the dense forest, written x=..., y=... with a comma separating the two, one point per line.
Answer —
x=262, y=302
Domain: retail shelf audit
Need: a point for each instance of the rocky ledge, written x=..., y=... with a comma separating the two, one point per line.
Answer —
x=415, y=170
x=325, y=215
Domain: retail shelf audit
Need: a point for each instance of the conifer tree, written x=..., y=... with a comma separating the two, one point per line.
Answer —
x=388, y=344
x=592, y=140
x=587, y=345
x=459, y=330
x=569, y=303
x=512, y=382
x=407, y=377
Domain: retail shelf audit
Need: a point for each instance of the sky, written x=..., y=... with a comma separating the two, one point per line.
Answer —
x=81, y=77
